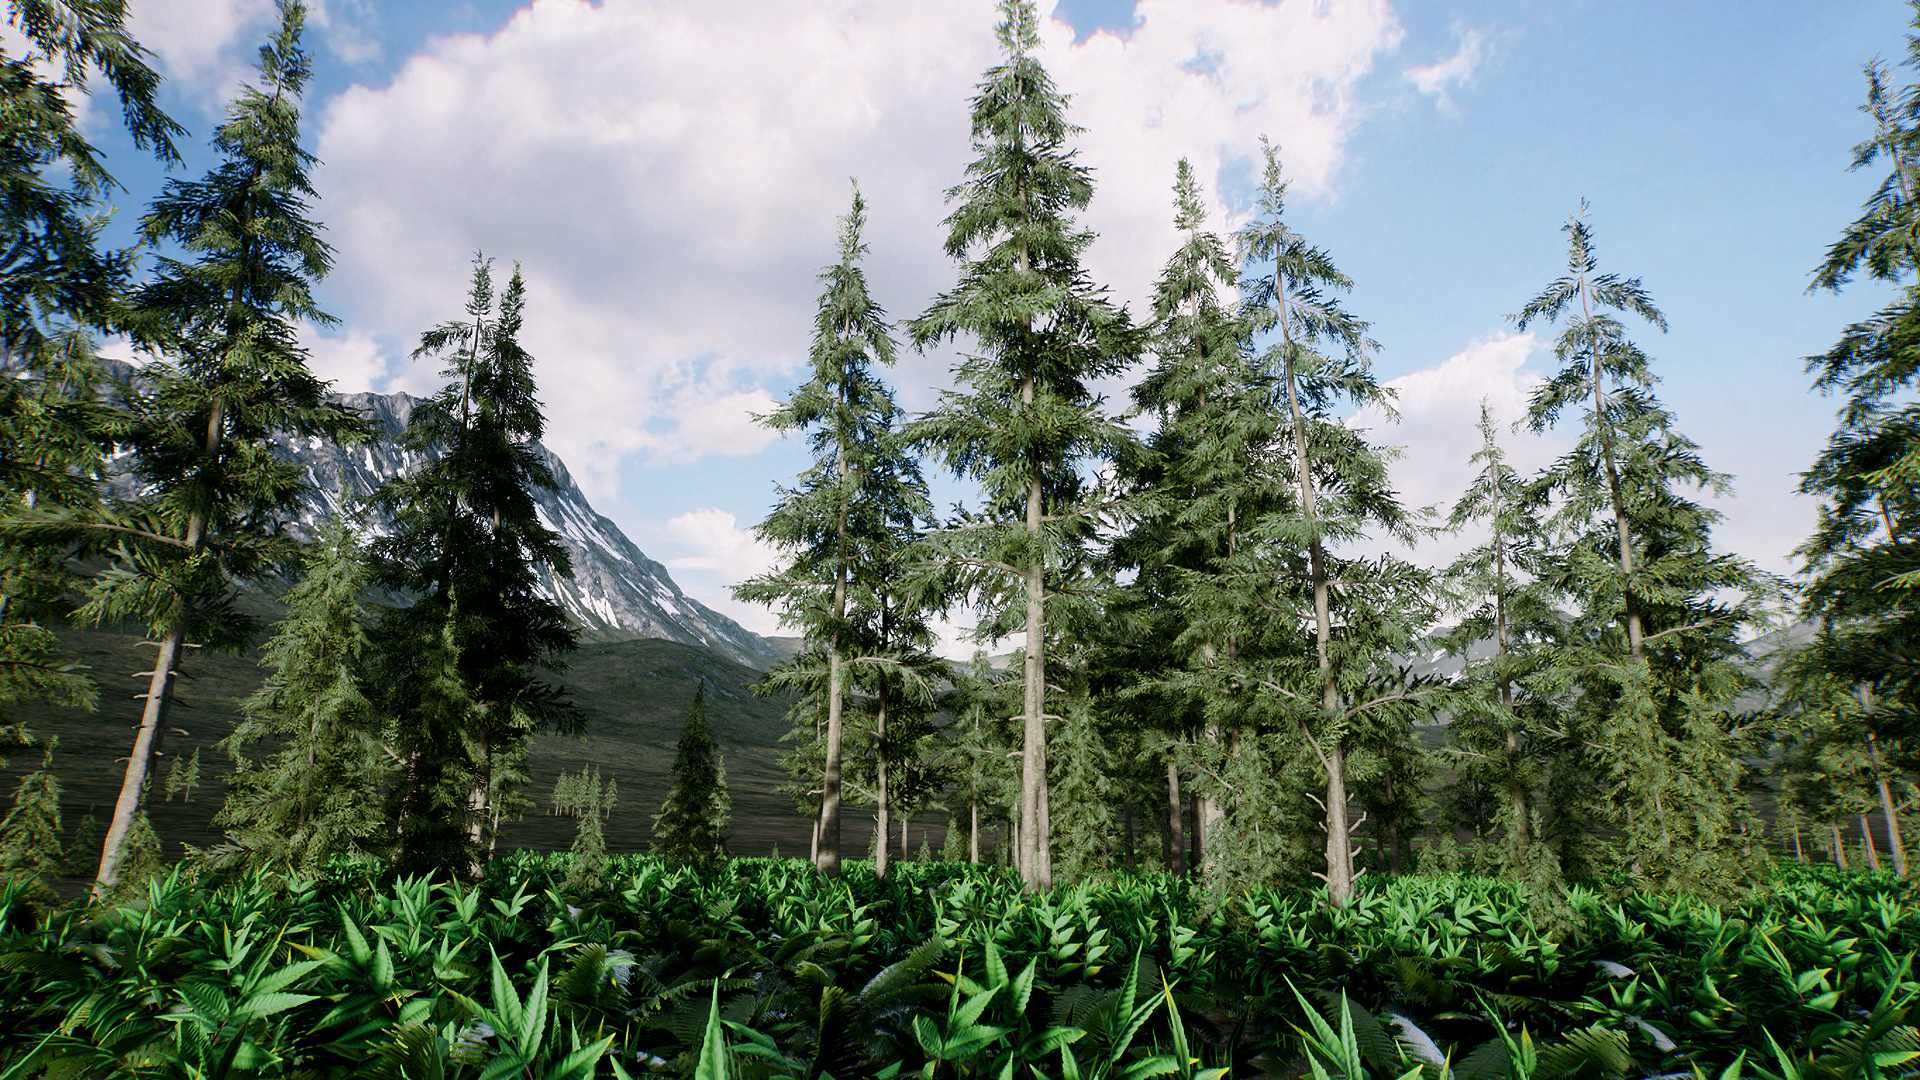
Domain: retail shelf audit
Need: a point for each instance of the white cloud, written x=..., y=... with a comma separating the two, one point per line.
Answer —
x=1439, y=78
x=1204, y=79
x=669, y=174
x=1439, y=410
x=353, y=363
x=715, y=541
x=350, y=27
x=206, y=47
x=708, y=551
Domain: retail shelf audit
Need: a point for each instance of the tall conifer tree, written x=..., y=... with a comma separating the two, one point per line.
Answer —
x=1658, y=648
x=1504, y=725
x=1212, y=473
x=235, y=379
x=1864, y=554
x=461, y=664
x=847, y=518
x=1025, y=422
x=58, y=422
x=1319, y=360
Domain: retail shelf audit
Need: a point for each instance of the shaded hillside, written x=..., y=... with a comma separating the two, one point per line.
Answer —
x=635, y=694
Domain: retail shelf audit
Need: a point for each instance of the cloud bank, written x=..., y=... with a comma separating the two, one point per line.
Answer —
x=669, y=174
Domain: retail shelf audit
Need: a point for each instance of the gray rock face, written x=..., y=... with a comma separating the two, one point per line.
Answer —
x=615, y=593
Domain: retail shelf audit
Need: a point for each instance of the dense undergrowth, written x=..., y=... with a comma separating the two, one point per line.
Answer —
x=949, y=970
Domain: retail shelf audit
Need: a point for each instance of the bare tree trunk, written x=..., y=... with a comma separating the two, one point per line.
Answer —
x=1209, y=817
x=1866, y=842
x=1176, y=829
x=1333, y=756
x=1036, y=856
x=146, y=744
x=827, y=852
x=1798, y=854
x=881, y=796
x=1839, y=845
x=973, y=829
x=1895, y=842
x=905, y=819
x=478, y=807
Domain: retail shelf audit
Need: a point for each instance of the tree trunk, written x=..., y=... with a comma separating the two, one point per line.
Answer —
x=478, y=806
x=905, y=819
x=1209, y=816
x=1798, y=854
x=1839, y=845
x=827, y=853
x=973, y=828
x=880, y=792
x=1176, y=828
x=1333, y=757
x=1866, y=842
x=1636, y=633
x=1895, y=842
x=1036, y=856
x=146, y=744
x=827, y=858
x=1516, y=789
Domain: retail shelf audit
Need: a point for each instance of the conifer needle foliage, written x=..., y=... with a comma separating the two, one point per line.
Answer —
x=1025, y=422
x=690, y=828
x=843, y=524
x=1336, y=689
x=320, y=794
x=1863, y=554
x=233, y=379
x=459, y=667
x=1656, y=638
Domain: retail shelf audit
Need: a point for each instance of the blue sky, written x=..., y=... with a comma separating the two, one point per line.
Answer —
x=669, y=172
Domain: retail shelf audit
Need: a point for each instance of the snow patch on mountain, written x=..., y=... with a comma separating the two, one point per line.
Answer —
x=616, y=592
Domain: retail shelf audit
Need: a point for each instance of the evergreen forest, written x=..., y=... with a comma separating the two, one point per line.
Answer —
x=1258, y=793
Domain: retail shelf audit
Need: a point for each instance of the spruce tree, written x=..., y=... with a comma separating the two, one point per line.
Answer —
x=1330, y=687
x=1503, y=726
x=30, y=848
x=590, y=801
x=320, y=793
x=1026, y=425
x=234, y=380
x=459, y=667
x=1201, y=584
x=979, y=745
x=1657, y=647
x=846, y=517
x=691, y=827
x=58, y=422
x=1864, y=557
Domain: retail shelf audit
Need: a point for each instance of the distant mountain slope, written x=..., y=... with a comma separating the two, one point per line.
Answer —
x=616, y=591
x=635, y=695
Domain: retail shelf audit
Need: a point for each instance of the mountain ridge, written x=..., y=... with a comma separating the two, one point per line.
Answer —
x=616, y=591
